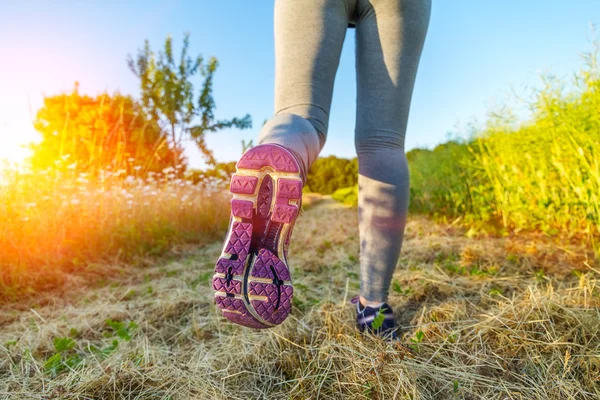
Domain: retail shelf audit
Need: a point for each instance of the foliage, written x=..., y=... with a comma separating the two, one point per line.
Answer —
x=63, y=358
x=348, y=196
x=328, y=174
x=67, y=357
x=120, y=329
x=168, y=95
x=378, y=321
x=90, y=134
x=443, y=179
x=543, y=175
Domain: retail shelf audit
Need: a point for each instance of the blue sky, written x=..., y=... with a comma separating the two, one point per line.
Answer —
x=476, y=52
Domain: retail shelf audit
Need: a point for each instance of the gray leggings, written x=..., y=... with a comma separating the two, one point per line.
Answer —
x=389, y=38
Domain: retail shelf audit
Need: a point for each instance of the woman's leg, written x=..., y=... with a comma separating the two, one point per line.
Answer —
x=252, y=280
x=389, y=39
x=309, y=35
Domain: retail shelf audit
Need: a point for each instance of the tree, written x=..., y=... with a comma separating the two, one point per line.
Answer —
x=168, y=95
x=98, y=133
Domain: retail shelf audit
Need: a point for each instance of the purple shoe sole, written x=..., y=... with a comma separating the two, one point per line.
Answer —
x=252, y=280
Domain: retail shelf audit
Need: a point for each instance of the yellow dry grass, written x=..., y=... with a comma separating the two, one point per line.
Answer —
x=55, y=223
x=486, y=318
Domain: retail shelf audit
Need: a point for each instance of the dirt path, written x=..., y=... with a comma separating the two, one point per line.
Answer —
x=489, y=318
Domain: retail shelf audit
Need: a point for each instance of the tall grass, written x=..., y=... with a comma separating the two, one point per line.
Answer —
x=543, y=175
x=55, y=222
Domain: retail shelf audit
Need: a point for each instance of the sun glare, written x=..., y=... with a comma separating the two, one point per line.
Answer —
x=13, y=140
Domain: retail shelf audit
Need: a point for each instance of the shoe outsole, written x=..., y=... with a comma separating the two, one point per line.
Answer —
x=252, y=280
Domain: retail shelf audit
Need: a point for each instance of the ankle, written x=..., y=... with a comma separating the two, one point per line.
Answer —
x=368, y=303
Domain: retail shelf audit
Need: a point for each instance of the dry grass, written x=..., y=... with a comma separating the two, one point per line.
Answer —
x=486, y=318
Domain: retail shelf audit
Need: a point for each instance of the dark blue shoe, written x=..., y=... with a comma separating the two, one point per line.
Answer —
x=379, y=321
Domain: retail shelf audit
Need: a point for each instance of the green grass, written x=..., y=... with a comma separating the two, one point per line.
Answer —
x=543, y=175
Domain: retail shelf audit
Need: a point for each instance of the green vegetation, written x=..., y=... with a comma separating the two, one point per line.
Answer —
x=542, y=175
x=93, y=135
x=217, y=172
x=69, y=354
x=347, y=195
x=329, y=174
x=168, y=95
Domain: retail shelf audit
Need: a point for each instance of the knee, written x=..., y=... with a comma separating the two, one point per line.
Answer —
x=381, y=157
x=379, y=141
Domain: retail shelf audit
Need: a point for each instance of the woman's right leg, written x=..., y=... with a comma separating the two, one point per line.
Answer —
x=309, y=35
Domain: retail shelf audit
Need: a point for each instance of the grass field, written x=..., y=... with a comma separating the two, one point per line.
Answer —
x=486, y=318
x=105, y=280
x=58, y=225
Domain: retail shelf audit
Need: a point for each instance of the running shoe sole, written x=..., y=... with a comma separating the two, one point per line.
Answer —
x=252, y=280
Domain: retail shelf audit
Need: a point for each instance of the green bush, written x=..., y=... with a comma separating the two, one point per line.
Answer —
x=543, y=175
x=347, y=195
x=329, y=174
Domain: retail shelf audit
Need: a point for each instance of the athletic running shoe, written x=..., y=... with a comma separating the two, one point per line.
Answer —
x=376, y=320
x=252, y=276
